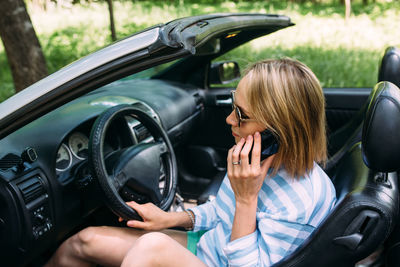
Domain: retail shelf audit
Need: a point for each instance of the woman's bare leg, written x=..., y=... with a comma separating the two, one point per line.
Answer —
x=104, y=245
x=159, y=249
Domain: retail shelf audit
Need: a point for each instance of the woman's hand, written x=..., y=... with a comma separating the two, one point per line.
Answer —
x=246, y=179
x=153, y=217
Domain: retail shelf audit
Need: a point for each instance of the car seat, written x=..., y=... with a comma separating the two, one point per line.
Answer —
x=367, y=192
x=350, y=133
x=390, y=66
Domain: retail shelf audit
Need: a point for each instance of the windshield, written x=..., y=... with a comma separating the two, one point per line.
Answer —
x=149, y=73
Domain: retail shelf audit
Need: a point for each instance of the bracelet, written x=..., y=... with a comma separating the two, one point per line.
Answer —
x=189, y=213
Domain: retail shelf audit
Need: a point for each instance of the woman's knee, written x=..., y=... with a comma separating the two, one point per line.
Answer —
x=153, y=241
x=83, y=242
x=147, y=250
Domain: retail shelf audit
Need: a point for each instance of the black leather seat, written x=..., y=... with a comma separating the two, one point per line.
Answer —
x=367, y=191
x=390, y=66
x=344, y=138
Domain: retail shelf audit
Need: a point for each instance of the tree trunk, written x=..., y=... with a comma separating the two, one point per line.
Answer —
x=348, y=9
x=112, y=24
x=22, y=46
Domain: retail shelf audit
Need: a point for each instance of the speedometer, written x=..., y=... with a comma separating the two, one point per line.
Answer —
x=78, y=143
x=64, y=158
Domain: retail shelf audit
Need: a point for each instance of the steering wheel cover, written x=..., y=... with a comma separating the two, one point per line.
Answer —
x=96, y=159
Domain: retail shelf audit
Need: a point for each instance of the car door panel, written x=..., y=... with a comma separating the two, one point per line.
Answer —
x=342, y=104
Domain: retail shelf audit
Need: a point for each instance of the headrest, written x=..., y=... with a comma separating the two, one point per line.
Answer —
x=380, y=136
x=390, y=66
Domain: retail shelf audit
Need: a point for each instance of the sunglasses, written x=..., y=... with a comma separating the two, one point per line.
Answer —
x=239, y=114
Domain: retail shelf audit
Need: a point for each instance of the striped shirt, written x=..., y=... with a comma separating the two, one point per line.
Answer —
x=288, y=211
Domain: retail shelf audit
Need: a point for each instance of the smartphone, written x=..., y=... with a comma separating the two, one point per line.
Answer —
x=269, y=145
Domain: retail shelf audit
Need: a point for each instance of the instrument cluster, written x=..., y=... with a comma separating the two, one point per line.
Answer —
x=71, y=158
x=75, y=149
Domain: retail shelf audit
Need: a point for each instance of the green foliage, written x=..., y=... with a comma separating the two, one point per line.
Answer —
x=341, y=53
x=334, y=67
x=6, y=82
x=71, y=43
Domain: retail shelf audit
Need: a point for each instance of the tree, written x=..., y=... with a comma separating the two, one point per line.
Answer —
x=112, y=23
x=24, y=53
x=347, y=9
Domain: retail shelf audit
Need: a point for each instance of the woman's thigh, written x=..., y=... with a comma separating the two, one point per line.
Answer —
x=160, y=249
x=109, y=245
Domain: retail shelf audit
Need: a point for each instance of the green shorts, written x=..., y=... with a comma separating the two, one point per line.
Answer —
x=192, y=240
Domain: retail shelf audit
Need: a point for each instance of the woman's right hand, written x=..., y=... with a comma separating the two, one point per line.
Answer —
x=153, y=217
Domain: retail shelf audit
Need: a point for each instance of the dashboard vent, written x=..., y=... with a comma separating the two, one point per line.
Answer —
x=199, y=101
x=141, y=132
x=31, y=189
x=9, y=161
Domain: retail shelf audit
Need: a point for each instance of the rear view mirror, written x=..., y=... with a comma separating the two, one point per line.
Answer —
x=212, y=47
x=224, y=72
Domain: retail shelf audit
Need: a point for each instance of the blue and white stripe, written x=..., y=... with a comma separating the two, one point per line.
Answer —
x=288, y=211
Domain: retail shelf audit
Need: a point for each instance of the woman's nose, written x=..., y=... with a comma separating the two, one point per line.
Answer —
x=231, y=119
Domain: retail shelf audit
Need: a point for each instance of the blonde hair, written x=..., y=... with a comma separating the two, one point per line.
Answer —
x=286, y=97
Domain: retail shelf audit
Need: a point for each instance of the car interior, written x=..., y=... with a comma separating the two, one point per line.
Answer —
x=167, y=122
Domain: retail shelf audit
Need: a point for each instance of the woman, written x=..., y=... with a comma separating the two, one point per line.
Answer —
x=264, y=209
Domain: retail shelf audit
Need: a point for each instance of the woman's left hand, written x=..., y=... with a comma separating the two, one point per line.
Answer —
x=246, y=179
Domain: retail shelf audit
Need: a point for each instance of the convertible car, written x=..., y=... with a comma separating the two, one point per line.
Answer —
x=144, y=119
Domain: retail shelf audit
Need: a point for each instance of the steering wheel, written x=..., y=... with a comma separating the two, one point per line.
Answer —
x=133, y=173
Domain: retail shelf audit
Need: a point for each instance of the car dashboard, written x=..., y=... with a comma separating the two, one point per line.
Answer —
x=46, y=195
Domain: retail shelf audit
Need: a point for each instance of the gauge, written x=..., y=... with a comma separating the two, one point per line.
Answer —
x=64, y=158
x=78, y=143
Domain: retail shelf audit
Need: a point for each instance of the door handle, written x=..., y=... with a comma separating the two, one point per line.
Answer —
x=224, y=102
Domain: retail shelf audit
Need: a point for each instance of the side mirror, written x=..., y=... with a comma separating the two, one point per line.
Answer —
x=224, y=72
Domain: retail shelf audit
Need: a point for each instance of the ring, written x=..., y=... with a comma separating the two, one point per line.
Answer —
x=236, y=163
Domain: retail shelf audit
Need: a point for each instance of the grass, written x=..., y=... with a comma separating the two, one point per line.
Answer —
x=342, y=53
x=323, y=61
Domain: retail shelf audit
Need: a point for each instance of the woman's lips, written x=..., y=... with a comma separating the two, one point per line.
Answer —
x=235, y=134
